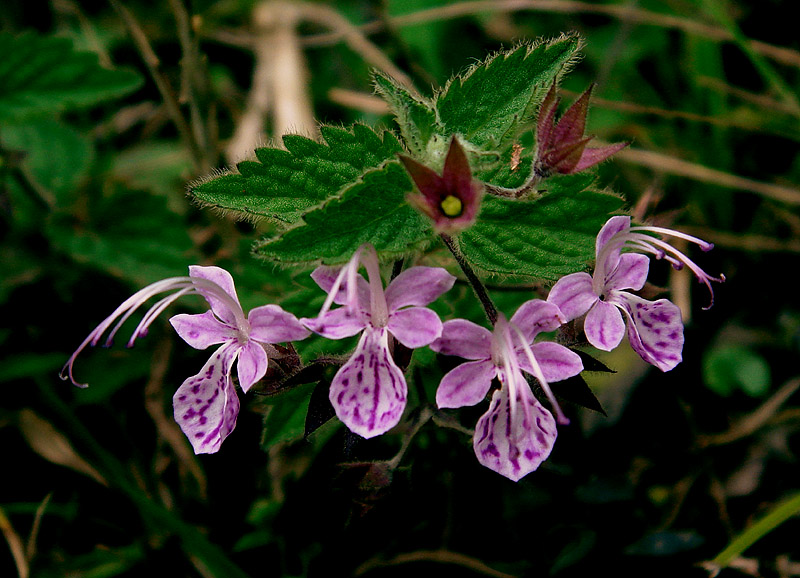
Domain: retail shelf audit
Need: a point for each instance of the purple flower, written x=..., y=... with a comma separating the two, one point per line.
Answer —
x=517, y=433
x=206, y=405
x=655, y=328
x=561, y=146
x=369, y=391
x=450, y=200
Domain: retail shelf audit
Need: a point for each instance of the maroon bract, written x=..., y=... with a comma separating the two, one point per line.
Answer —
x=451, y=199
x=561, y=147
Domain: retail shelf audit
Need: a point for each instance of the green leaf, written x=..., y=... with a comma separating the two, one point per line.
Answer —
x=495, y=101
x=730, y=367
x=373, y=210
x=415, y=116
x=56, y=156
x=286, y=418
x=544, y=238
x=283, y=184
x=41, y=74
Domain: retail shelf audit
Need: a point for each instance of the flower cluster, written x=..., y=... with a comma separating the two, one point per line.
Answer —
x=516, y=433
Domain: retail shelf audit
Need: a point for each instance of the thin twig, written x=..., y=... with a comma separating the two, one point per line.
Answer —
x=196, y=82
x=15, y=545
x=676, y=166
x=441, y=556
x=474, y=281
x=30, y=546
x=163, y=84
x=622, y=12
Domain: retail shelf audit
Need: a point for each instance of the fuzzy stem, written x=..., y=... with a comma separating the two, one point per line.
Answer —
x=477, y=285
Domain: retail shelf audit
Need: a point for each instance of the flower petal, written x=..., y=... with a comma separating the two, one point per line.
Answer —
x=514, y=444
x=604, y=327
x=369, y=391
x=608, y=257
x=206, y=405
x=573, y=294
x=465, y=339
x=336, y=324
x=556, y=361
x=252, y=365
x=418, y=286
x=222, y=278
x=202, y=330
x=655, y=329
x=271, y=324
x=325, y=277
x=467, y=384
x=630, y=273
x=415, y=327
x=535, y=316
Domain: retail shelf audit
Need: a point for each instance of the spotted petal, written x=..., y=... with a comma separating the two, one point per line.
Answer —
x=467, y=384
x=369, y=391
x=655, y=330
x=202, y=330
x=206, y=405
x=514, y=443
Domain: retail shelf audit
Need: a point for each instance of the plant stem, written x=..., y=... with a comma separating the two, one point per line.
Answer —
x=477, y=285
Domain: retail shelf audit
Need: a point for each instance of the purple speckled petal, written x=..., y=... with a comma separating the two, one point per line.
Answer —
x=465, y=339
x=252, y=365
x=556, y=361
x=631, y=272
x=467, y=384
x=206, y=405
x=222, y=278
x=202, y=330
x=535, y=316
x=604, y=327
x=655, y=329
x=271, y=324
x=415, y=326
x=514, y=444
x=325, y=277
x=573, y=294
x=418, y=286
x=369, y=391
x=336, y=324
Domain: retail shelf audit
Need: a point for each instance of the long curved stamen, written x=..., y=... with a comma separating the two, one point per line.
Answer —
x=510, y=367
x=705, y=246
x=667, y=249
x=349, y=270
x=379, y=311
x=539, y=375
x=182, y=286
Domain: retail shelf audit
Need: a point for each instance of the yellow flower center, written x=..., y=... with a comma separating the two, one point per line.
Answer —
x=451, y=206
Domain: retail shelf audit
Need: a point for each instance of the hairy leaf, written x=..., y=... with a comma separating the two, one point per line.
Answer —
x=373, y=210
x=543, y=238
x=496, y=100
x=415, y=116
x=283, y=184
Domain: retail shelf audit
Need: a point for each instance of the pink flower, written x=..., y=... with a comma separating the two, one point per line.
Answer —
x=206, y=405
x=655, y=328
x=517, y=433
x=369, y=391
